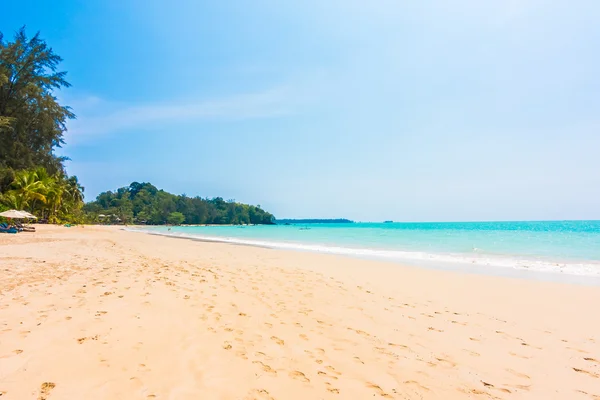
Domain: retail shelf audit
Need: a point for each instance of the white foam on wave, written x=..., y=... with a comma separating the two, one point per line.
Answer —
x=562, y=267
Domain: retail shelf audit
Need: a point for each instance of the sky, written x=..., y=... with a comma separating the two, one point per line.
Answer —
x=384, y=110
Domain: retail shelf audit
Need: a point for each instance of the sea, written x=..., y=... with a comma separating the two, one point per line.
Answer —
x=552, y=250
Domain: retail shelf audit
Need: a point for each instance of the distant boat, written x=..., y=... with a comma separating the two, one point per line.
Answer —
x=388, y=222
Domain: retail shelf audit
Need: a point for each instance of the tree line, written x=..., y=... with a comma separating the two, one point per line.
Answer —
x=143, y=203
x=32, y=125
x=34, y=178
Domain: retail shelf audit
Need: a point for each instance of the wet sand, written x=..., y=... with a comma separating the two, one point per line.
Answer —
x=99, y=313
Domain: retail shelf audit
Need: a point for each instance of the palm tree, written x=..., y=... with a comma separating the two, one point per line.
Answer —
x=27, y=188
x=74, y=190
x=56, y=193
x=11, y=201
x=57, y=197
x=46, y=181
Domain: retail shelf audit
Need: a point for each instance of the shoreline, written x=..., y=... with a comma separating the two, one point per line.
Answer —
x=98, y=312
x=459, y=267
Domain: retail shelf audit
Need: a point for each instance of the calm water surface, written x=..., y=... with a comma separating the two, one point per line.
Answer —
x=566, y=247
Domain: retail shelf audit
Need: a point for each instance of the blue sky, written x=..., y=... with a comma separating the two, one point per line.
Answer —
x=415, y=111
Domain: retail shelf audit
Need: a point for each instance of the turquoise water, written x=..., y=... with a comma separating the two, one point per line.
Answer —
x=571, y=247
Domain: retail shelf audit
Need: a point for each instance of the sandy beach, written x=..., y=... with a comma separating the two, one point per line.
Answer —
x=100, y=313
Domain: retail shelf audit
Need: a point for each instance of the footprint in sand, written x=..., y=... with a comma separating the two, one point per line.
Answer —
x=378, y=389
x=434, y=329
x=578, y=350
x=417, y=384
x=280, y=342
x=582, y=371
x=522, y=387
x=259, y=394
x=489, y=385
x=83, y=339
x=265, y=367
x=519, y=355
x=332, y=370
x=45, y=390
x=446, y=363
x=519, y=374
x=399, y=345
x=298, y=376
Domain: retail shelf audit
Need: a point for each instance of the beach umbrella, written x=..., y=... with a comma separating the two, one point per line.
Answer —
x=28, y=215
x=12, y=214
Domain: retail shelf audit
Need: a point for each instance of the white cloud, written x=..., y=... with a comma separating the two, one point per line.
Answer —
x=97, y=117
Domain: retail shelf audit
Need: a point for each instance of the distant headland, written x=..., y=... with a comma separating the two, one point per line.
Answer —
x=313, y=221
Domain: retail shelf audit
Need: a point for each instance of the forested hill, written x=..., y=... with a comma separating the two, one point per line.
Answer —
x=143, y=203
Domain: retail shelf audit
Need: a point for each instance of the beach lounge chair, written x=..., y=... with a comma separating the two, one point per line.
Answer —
x=25, y=228
x=4, y=228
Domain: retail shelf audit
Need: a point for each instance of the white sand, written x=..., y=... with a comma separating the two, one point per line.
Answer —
x=98, y=313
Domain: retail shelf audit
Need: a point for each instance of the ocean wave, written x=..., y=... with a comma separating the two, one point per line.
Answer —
x=473, y=259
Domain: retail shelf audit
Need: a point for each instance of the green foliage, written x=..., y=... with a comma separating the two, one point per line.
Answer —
x=56, y=198
x=175, y=218
x=33, y=178
x=32, y=122
x=143, y=203
x=7, y=176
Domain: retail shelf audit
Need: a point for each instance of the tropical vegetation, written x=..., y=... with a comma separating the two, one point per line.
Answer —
x=53, y=198
x=32, y=125
x=32, y=121
x=33, y=176
x=143, y=203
